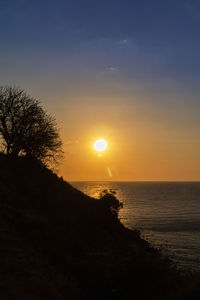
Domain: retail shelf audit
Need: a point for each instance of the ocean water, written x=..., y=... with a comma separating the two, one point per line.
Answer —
x=167, y=213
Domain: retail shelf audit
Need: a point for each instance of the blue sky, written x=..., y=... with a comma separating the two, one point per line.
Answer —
x=131, y=40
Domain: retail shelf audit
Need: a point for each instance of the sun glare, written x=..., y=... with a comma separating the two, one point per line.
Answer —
x=100, y=145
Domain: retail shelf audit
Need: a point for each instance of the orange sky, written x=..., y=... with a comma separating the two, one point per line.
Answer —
x=146, y=141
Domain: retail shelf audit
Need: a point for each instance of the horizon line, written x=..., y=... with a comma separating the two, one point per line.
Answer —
x=169, y=181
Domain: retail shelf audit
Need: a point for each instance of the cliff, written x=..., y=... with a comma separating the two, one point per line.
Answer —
x=57, y=243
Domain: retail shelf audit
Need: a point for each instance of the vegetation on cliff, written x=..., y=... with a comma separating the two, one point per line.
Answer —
x=57, y=243
x=26, y=129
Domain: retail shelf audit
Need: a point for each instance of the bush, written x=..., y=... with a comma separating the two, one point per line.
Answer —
x=109, y=200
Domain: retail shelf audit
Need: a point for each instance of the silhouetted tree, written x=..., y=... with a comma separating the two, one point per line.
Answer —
x=25, y=127
x=109, y=200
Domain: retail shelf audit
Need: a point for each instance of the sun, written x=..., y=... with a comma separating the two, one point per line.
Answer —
x=100, y=145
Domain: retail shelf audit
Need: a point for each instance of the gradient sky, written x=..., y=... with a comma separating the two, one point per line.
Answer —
x=124, y=70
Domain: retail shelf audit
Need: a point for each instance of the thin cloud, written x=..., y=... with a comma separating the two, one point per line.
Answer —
x=111, y=71
x=123, y=42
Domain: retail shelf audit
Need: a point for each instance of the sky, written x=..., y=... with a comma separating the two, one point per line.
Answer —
x=127, y=71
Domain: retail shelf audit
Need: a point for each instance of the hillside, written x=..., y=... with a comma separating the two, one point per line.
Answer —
x=57, y=243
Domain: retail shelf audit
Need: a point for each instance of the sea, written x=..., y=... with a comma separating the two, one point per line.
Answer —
x=166, y=213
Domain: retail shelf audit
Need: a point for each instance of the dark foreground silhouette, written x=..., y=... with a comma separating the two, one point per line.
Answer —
x=57, y=243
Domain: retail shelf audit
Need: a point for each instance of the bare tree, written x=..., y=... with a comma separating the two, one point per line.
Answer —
x=25, y=127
